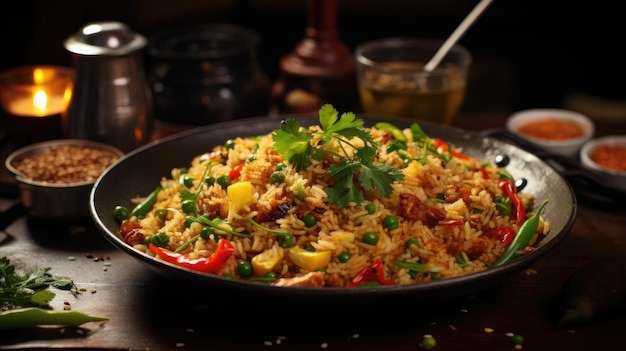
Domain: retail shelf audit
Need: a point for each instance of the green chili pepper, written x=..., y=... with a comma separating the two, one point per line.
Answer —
x=391, y=129
x=521, y=240
x=33, y=316
x=147, y=204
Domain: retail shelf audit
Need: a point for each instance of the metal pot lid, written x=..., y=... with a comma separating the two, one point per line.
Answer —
x=105, y=39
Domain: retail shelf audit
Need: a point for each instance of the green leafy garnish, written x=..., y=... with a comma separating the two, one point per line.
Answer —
x=19, y=288
x=296, y=143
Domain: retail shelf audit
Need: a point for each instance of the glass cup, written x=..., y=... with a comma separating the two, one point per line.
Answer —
x=392, y=80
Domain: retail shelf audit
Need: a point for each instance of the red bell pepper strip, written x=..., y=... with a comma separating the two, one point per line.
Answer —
x=235, y=172
x=211, y=264
x=503, y=233
x=484, y=172
x=511, y=192
x=443, y=146
x=373, y=272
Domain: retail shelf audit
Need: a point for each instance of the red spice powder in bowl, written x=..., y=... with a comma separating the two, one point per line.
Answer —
x=606, y=156
x=555, y=130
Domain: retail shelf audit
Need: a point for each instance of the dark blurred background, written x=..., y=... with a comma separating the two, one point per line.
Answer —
x=527, y=54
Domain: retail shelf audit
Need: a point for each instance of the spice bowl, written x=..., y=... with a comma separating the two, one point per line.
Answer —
x=558, y=131
x=606, y=158
x=55, y=177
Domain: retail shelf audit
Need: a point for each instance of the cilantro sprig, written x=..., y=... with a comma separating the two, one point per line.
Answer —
x=354, y=171
x=19, y=288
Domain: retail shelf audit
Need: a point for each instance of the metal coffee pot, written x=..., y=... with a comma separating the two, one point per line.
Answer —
x=111, y=100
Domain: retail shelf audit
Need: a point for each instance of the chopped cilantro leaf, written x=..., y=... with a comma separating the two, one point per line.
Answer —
x=357, y=164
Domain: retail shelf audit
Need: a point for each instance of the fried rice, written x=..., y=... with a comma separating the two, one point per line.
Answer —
x=441, y=219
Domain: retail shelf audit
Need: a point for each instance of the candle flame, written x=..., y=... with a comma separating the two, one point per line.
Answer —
x=40, y=101
x=38, y=76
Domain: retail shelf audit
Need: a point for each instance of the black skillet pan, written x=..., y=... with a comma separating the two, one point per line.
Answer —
x=138, y=172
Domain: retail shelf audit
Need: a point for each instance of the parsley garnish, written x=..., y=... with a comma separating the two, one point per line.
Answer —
x=19, y=288
x=296, y=143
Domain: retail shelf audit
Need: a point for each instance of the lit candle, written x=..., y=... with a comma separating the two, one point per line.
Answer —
x=37, y=91
x=34, y=99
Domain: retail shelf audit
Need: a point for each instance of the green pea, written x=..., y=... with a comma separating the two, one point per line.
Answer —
x=186, y=181
x=281, y=167
x=121, y=213
x=210, y=181
x=370, y=208
x=223, y=180
x=390, y=222
x=188, y=206
x=309, y=220
x=183, y=170
x=244, y=268
x=343, y=257
x=411, y=242
x=285, y=240
x=160, y=240
x=370, y=238
x=161, y=213
x=277, y=178
x=229, y=144
x=205, y=232
x=517, y=339
x=188, y=221
x=428, y=342
x=309, y=247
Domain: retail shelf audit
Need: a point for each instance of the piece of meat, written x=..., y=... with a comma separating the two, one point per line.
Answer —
x=412, y=208
x=314, y=279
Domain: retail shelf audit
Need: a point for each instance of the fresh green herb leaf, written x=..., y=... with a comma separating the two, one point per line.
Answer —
x=379, y=177
x=330, y=123
x=19, y=288
x=296, y=144
x=344, y=193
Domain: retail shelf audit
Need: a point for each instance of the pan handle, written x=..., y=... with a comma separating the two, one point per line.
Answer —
x=587, y=185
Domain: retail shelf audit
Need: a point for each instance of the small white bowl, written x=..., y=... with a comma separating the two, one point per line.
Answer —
x=612, y=178
x=569, y=147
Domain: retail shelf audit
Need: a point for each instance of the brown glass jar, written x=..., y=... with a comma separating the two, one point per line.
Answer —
x=320, y=69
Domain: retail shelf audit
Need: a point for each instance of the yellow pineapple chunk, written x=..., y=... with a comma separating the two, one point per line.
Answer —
x=267, y=260
x=309, y=260
x=240, y=196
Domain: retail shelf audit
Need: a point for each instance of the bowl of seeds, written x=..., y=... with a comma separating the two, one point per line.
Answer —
x=55, y=177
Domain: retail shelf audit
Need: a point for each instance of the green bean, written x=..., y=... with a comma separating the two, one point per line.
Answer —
x=147, y=204
x=33, y=316
x=521, y=240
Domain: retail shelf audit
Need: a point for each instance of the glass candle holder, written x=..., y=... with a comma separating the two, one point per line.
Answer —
x=34, y=98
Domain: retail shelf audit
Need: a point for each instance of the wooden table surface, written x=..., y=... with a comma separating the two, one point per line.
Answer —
x=151, y=312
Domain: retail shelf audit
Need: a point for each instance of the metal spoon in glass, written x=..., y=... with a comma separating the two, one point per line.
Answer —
x=457, y=34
